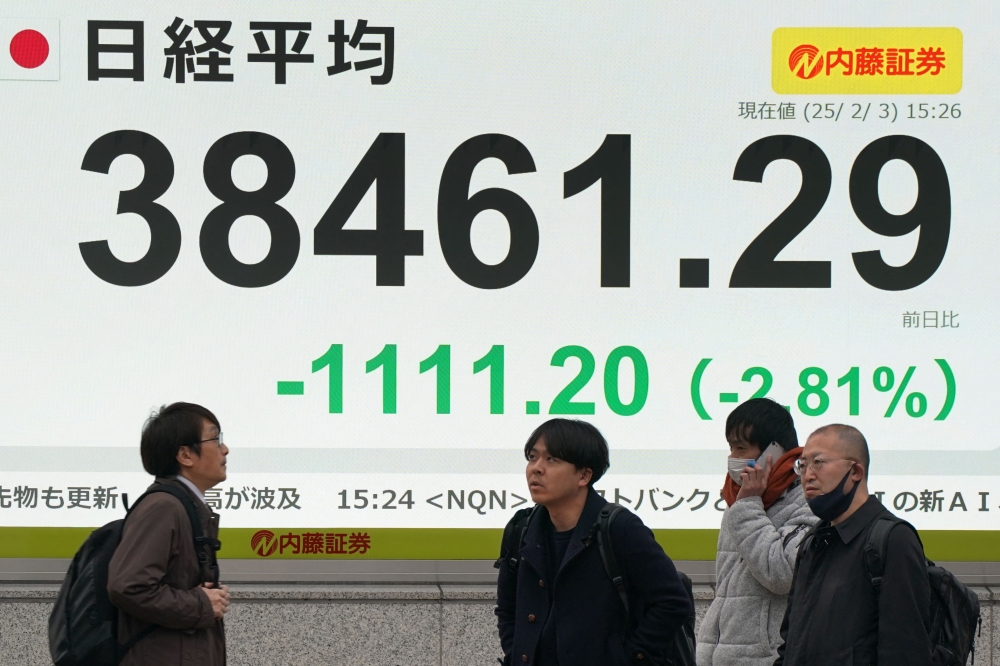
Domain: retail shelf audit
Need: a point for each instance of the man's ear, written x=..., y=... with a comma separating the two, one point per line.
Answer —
x=857, y=472
x=185, y=456
x=586, y=475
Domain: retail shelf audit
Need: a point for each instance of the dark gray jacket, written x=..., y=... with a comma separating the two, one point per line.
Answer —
x=834, y=616
x=591, y=624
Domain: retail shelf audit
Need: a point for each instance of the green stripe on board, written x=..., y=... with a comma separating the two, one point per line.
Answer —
x=382, y=543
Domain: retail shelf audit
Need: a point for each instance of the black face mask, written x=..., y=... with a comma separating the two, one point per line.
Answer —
x=832, y=504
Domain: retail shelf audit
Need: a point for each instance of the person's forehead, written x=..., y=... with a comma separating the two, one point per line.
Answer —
x=539, y=446
x=822, y=443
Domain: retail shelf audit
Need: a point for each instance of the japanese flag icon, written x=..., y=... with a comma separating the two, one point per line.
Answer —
x=29, y=49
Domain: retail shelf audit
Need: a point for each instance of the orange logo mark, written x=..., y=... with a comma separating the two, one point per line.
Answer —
x=263, y=543
x=804, y=61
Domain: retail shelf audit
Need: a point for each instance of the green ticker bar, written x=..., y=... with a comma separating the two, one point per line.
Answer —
x=33, y=542
x=729, y=397
x=291, y=388
x=449, y=544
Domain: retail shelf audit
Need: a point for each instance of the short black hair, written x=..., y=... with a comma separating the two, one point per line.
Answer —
x=576, y=442
x=166, y=431
x=760, y=421
x=855, y=444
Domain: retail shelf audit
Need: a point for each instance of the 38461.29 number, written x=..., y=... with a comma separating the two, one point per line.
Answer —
x=390, y=242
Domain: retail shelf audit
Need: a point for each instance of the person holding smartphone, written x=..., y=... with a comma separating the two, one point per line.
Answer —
x=766, y=519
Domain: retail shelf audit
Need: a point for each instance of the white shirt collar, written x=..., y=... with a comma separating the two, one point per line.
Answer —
x=194, y=488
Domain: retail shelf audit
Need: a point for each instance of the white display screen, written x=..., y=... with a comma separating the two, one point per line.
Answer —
x=383, y=242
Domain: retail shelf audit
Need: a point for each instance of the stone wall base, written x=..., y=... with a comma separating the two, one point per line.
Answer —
x=354, y=625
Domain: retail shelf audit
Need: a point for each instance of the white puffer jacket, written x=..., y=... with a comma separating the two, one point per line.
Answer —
x=754, y=566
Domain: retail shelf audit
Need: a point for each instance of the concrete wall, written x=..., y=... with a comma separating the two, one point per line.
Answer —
x=354, y=625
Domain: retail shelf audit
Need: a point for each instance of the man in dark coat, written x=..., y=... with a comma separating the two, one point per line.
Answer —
x=559, y=606
x=158, y=578
x=834, y=615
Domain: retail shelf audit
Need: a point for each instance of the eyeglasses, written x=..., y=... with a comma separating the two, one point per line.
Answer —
x=816, y=465
x=217, y=438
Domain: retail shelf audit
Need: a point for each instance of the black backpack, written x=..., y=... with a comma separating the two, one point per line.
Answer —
x=682, y=651
x=83, y=626
x=954, y=607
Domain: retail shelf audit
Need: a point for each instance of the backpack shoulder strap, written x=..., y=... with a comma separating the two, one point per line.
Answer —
x=791, y=535
x=189, y=508
x=200, y=540
x=513, y=538
x=602, y=532
x=878, y=544
x=804, y=544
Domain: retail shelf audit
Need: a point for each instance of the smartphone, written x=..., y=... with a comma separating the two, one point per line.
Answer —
x=774, y=450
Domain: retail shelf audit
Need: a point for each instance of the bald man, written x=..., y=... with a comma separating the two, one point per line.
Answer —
x=834, y=613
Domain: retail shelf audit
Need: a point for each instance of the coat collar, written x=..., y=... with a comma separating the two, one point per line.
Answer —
x=535, y=537
x=200, y=505
x=193, y=488
x=860, y=519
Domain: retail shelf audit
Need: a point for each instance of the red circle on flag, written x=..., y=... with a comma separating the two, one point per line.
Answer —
x=29, y=48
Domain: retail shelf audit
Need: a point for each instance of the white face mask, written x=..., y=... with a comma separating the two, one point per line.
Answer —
x=737, y=465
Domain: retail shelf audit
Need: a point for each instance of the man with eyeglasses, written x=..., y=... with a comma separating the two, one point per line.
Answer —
x=164, y=583
x=834, y=614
